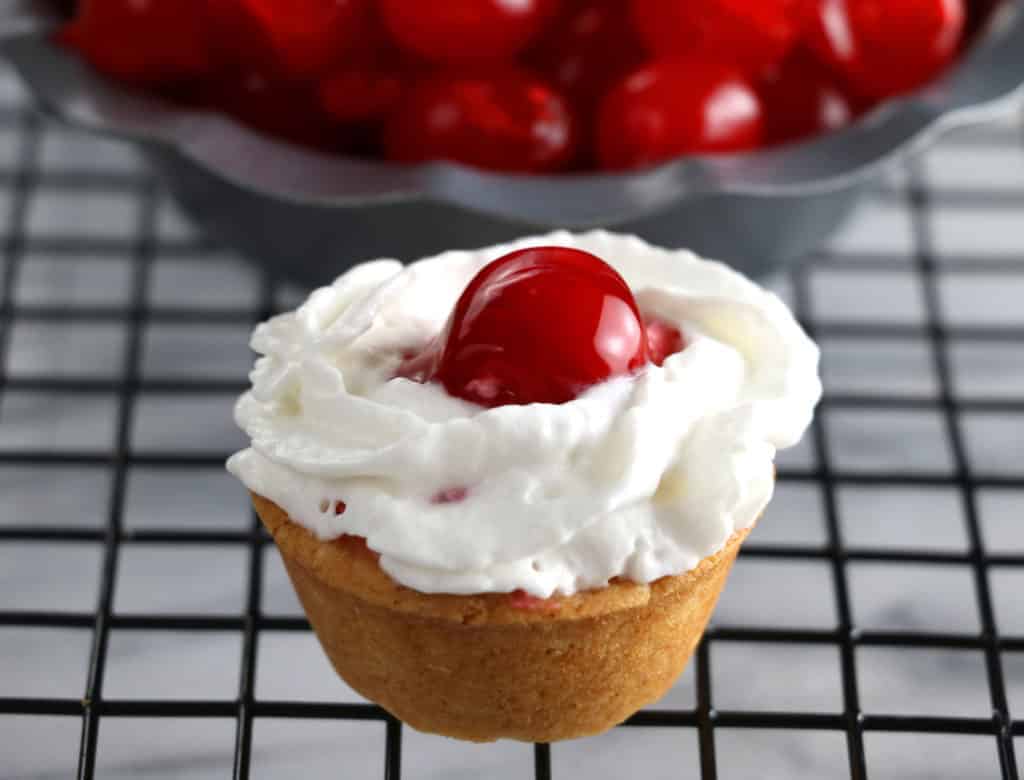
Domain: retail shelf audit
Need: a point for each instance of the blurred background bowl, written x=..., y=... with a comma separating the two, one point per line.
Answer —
x=307, y=216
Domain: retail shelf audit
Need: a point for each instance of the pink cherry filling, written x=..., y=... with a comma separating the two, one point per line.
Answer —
x=450, y=495
x=663, y=339
x=541, y=325
x=337, y=506
x=520, y=599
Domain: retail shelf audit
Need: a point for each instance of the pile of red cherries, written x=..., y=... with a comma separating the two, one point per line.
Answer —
x=532, y=86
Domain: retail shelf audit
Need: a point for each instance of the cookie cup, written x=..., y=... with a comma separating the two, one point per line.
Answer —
x=491, y=666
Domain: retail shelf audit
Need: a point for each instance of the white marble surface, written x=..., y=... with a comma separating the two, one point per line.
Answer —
x=210, y=580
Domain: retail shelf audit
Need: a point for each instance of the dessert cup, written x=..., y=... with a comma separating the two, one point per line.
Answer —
x=492, y=666
x=505, y=516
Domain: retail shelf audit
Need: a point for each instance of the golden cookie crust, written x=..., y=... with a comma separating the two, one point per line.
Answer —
x=479, y=668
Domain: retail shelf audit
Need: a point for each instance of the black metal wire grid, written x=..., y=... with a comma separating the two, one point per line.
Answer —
x=25, y=178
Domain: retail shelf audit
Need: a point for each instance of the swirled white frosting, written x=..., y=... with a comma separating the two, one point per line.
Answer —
x=640, y=477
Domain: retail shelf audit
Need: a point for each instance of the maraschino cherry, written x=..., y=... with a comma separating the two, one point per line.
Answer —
x=676, y=107
x=236, y=38
x=588, y=50
x=539, y=325
x=465, y=30
x=528, y=86
x=361, y=94
x=154, y=43
x=505, y=120
x=368, y=83
x=262, y=99
x=802, y=98
x=749, y=34
x=309, y=36
x=884, y=48
x=662, y=340
x=583, y=54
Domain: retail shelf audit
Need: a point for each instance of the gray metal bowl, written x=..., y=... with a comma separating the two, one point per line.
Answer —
x=308, y=216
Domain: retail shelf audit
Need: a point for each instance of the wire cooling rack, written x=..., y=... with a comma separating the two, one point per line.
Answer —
x=879, y=636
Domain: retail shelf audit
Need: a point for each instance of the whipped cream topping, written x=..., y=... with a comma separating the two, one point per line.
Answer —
x=640, y=477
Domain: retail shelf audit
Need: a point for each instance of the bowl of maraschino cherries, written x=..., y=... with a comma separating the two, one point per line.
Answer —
x=530, y=86
x=309, y=134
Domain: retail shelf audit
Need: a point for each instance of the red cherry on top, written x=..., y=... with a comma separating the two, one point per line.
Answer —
x=677, y=107
x=151, y=43
x=885, y=48
x=539, y=325
x=504, y=121
x=748, y=34
x=802, y=99
x=463, y=30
